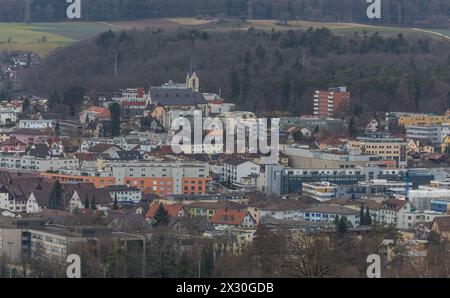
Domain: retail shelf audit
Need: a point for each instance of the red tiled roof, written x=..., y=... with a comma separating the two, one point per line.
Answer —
x=104, y=112
x=229, y=217
x=173, y=210
x=216, y=101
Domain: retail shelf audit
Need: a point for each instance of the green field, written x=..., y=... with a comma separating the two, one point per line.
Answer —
x=18, y=36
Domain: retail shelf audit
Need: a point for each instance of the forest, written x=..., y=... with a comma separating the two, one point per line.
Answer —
x=430, y=13
x=258, y=70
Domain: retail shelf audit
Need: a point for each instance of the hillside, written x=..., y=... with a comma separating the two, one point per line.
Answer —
x=260, y=70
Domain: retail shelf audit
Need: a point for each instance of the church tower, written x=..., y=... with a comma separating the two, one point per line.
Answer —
x=192, y=80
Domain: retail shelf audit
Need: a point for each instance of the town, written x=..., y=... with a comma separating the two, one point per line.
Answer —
x=106, y=184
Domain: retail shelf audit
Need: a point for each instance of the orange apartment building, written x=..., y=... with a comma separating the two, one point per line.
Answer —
x=161, y=179
x=326, y=103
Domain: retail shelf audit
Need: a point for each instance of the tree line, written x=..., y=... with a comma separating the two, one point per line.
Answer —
x=263, y=71
x=273, y=253
x=395, y=12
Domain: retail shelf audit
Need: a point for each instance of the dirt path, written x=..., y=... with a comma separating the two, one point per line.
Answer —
x=432, y=32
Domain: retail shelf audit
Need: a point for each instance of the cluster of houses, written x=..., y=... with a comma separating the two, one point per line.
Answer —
x=320, y=174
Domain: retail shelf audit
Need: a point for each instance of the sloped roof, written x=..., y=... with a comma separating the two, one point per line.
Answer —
x=102, y=112
x=172, y=210
x=102, y=147
x=42, y=196
x=129, y=155
x=229, y=217
x=89, y=191
x=31, y=132
x=215, y=205
x=393, y=204
x=39, y=150
x=176, y=96
x=330, y=208
x=283, y=204
x=443, y=223
x=199, y=225
x=235, y=161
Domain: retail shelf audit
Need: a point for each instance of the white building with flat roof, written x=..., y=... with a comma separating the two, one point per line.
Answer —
x=37, y=124
x=421, y=198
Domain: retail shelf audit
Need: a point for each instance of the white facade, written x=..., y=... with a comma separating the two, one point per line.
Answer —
x=7, y=118
x=10, y=204
x=235, y=172
x=408, y=220
x=32, y=206
x=37, y=124
x=321, y=191
x=291, y=214
x=126, y=195
x=34, y=164
x=324, y=215
x=421, y=198
x=420, y=132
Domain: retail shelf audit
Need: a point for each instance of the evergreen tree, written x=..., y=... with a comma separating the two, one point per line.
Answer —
x=235, y=85
x=260, y=52
x=367, y=217
x=57, y=129
x=93, y=204
x=316, y=129
x=161, y=216
x=114, y=109
x=55, y=199
x=342, y=225
x=86, y=202
x=115, y=204
x=362, y=219
x=352, y=131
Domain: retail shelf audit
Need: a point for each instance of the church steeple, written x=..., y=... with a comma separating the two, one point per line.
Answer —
x=192, y=80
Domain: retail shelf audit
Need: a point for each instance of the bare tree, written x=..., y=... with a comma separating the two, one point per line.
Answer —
x=310, y=257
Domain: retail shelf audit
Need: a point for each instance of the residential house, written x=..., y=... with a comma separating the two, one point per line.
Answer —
x=190, y=226
x=279, y=209
x=208, y=209
x=391, y=209
x=441, y=225
x=12, y=146
x=31, y=136
x=100, y=197
x=174, y=210
x=237, y=218
x=124, y=194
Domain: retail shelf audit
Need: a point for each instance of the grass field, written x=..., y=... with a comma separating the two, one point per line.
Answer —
x=18, y=36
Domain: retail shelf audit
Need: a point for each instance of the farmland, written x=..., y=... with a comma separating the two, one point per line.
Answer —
x=42, y=38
